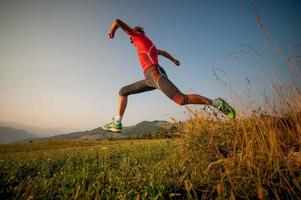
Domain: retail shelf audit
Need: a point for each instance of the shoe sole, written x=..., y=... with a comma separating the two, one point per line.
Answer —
x=113, y=130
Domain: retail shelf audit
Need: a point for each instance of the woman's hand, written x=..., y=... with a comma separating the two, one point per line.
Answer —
x=111, y=34
x=176, y=62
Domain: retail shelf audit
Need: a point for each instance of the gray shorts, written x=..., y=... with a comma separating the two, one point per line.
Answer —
x=155, y=78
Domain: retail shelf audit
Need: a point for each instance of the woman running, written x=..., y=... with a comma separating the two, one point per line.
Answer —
x=154, y=77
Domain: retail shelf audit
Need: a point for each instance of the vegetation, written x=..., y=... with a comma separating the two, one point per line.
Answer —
x=248, y=158
x=85, y=169
x=258, y=157
x=160, y=133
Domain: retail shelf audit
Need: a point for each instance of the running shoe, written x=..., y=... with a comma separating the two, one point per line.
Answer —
x=113, y=127
x=226, y=108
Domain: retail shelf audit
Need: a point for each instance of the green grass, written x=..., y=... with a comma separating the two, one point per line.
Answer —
x=252, y=158
x=88, y=170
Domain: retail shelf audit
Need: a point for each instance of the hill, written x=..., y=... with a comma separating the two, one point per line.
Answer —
x=139, y=130
x=146, y=127
x=9, y=135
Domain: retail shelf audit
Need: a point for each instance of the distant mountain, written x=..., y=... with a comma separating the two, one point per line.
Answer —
x=9, y=135
x=139, y=129
x=146, y=127
x=97, y=133
x=41, y=132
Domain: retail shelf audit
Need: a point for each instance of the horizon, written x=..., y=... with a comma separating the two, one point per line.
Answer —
x=59, y=69
x=45, y=133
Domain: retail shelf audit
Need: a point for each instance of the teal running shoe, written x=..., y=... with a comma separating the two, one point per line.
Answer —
x=113, y=127
x=226, y=108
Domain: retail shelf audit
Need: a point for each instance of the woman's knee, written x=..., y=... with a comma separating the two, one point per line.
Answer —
x=123, y=91
x=180, y=99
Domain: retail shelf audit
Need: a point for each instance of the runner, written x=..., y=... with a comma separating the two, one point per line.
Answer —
x=155, y=77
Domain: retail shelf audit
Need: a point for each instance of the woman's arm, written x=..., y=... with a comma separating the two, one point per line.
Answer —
x=118, y=23
x=169, y=56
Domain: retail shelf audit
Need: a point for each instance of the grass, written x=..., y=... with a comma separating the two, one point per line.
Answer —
x=251, y=158
x=247, y=158
x=88, y=170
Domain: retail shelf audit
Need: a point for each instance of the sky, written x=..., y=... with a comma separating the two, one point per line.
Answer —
x=58, y=68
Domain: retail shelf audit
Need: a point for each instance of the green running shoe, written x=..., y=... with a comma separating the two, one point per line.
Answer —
x=113, y=127
x=226, y=108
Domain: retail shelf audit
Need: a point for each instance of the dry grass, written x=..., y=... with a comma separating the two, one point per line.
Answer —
x=246, y=158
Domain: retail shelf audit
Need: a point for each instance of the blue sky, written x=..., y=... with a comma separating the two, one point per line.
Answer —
x=59, y=69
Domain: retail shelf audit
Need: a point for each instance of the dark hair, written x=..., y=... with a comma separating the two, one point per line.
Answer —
x=139, y=29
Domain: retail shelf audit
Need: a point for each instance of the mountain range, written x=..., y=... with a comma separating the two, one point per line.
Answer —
x=141, y=129
x=40, y=132
x=9, y=135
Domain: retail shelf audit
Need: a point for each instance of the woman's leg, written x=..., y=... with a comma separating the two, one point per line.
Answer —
x=122, y=103
x=170, y=90
x=198, y=99
x=134, y=88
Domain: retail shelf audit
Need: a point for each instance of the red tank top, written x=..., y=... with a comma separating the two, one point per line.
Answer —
x=146, y=50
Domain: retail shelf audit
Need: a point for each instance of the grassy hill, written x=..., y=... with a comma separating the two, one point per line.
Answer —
x=146, y=127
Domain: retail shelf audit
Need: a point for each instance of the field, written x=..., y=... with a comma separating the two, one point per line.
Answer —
x=83, y=169
x=254, y=158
